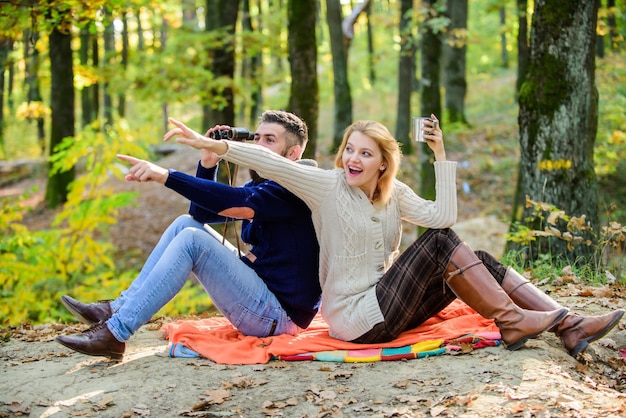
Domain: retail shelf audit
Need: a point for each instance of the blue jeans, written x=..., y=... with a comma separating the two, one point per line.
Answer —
x=234, y=288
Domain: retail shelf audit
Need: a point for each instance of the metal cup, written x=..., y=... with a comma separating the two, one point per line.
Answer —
x=418, y=125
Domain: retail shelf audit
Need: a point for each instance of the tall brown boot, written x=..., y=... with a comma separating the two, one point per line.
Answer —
x=470, y=280
x=576, y=331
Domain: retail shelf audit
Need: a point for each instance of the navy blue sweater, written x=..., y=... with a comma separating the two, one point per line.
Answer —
x=280, y=233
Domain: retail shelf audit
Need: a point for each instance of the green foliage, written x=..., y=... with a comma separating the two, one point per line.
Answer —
x=609, y=244
x=74, y=256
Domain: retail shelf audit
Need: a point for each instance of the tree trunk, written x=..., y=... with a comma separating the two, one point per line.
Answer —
x=522, y=44
x=121, y=98
x=94, y=93
x=257, y=72
x=430, y=99
x=343, y=96
x=109, y=54
x=304, y=91
x=85, y=93
x=370, y=45
x=558, y=120
x=164, y=105
x=406, y=71
x=190, y=20
x=614, y=36
x=455, y=49
x=140, y=36
x=251, y=71
x=222, y=15
x=62, y=107
x=31, y=79
x=504, y=54
x=6, y=44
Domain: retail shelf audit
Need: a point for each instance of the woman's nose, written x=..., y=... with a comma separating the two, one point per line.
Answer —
x=354, y=158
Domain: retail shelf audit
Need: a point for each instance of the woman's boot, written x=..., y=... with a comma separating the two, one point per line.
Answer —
x=576, y=331
x=470, y=280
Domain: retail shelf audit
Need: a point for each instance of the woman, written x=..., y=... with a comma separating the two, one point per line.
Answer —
x=369, y=294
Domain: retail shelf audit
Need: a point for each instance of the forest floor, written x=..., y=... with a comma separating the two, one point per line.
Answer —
x=44, y=379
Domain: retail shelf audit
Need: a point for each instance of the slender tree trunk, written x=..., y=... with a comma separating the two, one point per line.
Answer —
x=121, y=99
x=94, y=89
x=455, y=49
x=31, y=78
x=304, y=92
x=613, y=34
x=190, y=21
x=251, y=71
x=256, y=62
x=164, y=106
x=341, y=85
x=406, y=71
x=430, y=99
x=370, y=44
x=558, y=121
x=62, y=106
x=223, y=17
x=522, y=44
x=6, y=44
x=109, y=54
x=140, y=36
x=85, y=96
x=600, y=35
x=504, y=54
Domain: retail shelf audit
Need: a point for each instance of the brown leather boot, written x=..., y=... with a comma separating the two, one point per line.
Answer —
x=576, y=331
x=96, y=341
x=470, y=280
x=88, y=313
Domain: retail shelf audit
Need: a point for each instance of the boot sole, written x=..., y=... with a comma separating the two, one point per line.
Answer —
x=113, y=356
x=519, y=343
x=582, y=346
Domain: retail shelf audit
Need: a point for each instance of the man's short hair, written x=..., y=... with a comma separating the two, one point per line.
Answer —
x=296, y=129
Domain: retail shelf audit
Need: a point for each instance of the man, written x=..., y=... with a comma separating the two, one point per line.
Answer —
x=273, y=289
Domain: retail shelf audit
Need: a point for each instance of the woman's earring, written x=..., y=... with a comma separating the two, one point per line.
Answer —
x=382, y=168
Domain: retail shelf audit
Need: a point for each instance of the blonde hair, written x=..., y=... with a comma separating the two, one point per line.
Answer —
x=389, y=148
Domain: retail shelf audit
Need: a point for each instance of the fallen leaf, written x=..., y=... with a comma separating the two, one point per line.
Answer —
x=244, y=382
x=328, y=394
x=340, y=374
x=568, y=402
x=466, y=348
x=141, y=410
x=104, y=403
x=217, y=396
x=403, y=384
x=19, y=408
x=516, y=409
x=435, y=411
x=608, y=343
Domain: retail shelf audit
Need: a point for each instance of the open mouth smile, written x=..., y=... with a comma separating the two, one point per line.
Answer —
x=354, y=171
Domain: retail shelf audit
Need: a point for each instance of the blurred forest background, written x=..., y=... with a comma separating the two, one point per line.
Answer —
x=531, y=95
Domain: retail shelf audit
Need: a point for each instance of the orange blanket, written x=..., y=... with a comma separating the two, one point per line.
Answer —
x=218, y=340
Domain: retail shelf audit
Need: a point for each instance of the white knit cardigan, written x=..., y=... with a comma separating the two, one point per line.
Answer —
x=358, y=242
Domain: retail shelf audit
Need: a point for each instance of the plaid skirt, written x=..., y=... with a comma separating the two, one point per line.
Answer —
x=414, y=288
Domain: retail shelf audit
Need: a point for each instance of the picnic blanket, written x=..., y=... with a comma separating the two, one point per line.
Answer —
x=457, y=326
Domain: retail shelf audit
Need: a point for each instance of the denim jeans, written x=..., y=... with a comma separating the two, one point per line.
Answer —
x=234, y=288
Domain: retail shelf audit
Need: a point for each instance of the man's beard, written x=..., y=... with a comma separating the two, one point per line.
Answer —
x=256, y=178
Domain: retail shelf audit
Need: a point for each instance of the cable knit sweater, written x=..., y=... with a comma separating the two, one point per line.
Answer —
x=358, y=241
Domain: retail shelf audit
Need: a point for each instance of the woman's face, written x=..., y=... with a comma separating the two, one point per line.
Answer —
x=362, y=162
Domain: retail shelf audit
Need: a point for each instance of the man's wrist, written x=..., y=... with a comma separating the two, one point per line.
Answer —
x=208, y=164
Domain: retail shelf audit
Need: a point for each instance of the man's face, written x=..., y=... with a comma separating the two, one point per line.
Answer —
x=272, y=136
